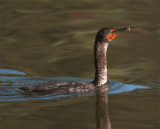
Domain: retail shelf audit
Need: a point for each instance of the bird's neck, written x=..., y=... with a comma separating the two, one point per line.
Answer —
x=100, y=58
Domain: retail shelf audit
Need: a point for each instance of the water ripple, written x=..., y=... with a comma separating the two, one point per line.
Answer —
x=9, y=87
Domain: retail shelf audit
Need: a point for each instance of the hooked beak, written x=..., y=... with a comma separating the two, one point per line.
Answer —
x=116, y=32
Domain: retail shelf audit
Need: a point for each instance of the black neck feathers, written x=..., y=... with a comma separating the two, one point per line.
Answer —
x=100, y=58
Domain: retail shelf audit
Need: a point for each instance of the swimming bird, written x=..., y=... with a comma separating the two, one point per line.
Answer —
x=103, y=38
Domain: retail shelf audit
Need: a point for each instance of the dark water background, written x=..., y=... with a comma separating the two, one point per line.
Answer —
x=42, y=40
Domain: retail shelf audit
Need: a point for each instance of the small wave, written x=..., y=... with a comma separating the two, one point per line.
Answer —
x=12, y=92
x=9, y=71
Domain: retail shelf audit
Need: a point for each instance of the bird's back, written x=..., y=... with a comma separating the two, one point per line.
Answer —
x=59, y=87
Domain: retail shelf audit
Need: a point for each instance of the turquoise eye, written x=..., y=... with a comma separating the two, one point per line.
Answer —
x=110, y=31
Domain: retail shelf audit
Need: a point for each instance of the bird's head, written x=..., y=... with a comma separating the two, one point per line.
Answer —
x=107, y=34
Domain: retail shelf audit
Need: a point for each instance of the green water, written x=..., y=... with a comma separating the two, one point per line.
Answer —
x=55, y=38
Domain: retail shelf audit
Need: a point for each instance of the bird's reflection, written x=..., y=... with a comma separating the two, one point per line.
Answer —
x=102, y=116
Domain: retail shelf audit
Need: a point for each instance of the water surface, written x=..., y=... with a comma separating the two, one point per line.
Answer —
x=46, y=40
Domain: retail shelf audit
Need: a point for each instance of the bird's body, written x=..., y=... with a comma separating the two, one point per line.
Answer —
x=60, y=87
x=103, y=37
